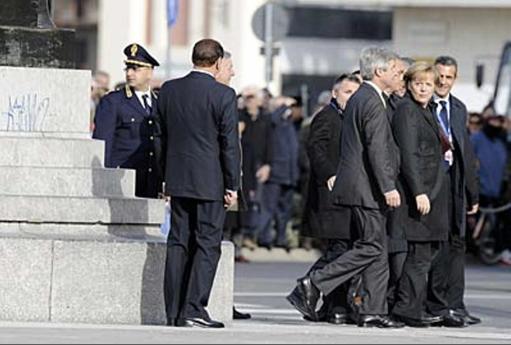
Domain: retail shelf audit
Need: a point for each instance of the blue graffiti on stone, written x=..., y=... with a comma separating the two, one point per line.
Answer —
x=26, y=113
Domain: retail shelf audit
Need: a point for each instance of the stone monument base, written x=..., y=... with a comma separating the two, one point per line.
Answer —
x=100, y=276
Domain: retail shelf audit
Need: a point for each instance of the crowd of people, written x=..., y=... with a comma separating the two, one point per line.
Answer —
x=386, y=170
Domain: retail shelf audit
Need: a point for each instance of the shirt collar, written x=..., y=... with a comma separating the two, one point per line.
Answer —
x=438, y=99
x=378, y=90
x=141, y=93
x=203, y=71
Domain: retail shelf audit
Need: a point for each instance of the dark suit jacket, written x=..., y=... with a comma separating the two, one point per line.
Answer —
x=128, y=132
x=199, y=135
x=369, y=159
x=422, y=172
x=465, y=179
x=322, y=218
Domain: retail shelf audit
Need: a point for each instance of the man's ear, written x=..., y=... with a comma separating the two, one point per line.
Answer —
x=217, y=65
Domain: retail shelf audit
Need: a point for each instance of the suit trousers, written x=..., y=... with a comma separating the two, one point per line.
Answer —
x=446, y=285
x=336, y=301
x=412, y=288
x=396, y=265
x=368, y=257
x=456, y=277
x=193, y=252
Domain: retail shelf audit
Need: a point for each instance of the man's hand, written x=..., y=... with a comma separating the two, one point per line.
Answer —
x=392, y=198
x=423, y=204
x=473, y=210
x=330, y=183
x=230, y=198
x=263, y=173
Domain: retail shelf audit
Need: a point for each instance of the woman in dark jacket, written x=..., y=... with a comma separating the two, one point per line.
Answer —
x=423, y=183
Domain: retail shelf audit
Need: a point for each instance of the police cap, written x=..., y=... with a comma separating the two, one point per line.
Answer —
x=137, y=55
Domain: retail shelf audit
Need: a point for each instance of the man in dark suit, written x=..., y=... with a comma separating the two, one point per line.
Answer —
x=322, y=218
x=199, y=133
x=447, y=277
x=366, y=184
x=125, y=121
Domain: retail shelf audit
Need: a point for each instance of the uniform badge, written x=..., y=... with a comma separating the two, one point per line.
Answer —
x=134, y=49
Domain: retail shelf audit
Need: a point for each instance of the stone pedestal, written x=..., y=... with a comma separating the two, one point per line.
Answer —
x=76, y=245
x=28, y=37
x=29, y=47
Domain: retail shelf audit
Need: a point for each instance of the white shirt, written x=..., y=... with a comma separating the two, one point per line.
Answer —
x=448, y=156
x=437, y=100
x=141, y=100
x=380, y=92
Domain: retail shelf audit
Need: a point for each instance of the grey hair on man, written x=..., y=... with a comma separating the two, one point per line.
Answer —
x=373, y=58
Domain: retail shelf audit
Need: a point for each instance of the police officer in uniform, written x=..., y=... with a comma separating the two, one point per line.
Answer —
x=124, y=120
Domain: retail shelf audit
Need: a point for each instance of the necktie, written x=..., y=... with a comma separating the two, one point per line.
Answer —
x=444, y=133
x=146, y=104
x=386, y=98
x=444, y=118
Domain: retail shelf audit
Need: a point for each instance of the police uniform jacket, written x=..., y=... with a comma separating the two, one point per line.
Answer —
x=129, y=132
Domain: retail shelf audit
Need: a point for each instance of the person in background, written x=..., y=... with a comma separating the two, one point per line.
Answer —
x=99, y=88
x=278, y=190
x=491, y=153
x=475, y=123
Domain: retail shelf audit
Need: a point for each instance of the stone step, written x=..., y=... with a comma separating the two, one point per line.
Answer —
x=75, y=210
x=72, y=182
x=51, y=152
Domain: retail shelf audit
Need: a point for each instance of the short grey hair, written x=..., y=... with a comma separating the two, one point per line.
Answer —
x=373, y=58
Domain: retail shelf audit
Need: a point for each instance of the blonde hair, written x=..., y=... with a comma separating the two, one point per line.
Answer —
x=418, y=68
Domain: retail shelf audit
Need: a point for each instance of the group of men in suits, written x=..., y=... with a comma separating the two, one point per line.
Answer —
x=364, y=194
x=188, y=137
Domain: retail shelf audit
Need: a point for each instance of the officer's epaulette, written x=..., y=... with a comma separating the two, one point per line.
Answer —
x=128, y=91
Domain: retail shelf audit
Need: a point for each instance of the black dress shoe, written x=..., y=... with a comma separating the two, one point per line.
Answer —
x=432, y=319
x=171, y=321
x=466, y=317
x=337, y=318
x=381, y=321
x=200, y=322
x=304, y=298
x=452, y=320
x=424, y=321
x=236, y=315
x=179, y=322
x=471, y=320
